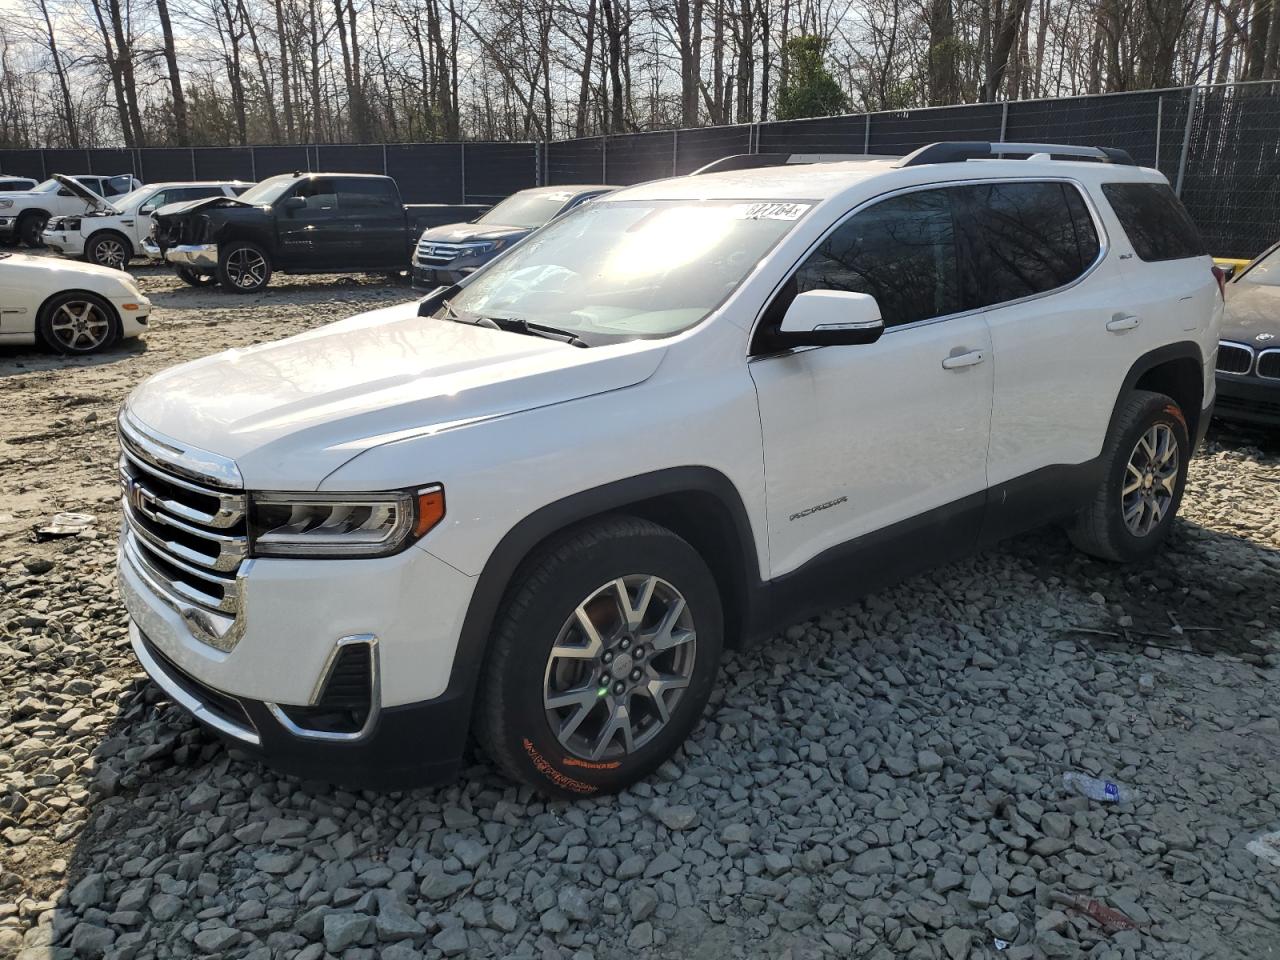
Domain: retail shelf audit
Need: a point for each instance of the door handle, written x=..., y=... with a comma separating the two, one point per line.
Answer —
x=970, y=359
x=1122, y=322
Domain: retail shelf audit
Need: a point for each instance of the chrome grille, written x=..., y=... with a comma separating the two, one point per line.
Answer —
x=185, y=531
x=1234, y=357
x=437, y=253
x=1269, y=364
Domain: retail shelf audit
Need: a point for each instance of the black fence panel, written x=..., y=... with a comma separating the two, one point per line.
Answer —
x=575, y=161
x=698, y=147
x=161, y=165
x=497, y=170
x=23, y=163
x=426, y=172
x=897, y=134
x=111, y=163
x=350, y=158
x=824, y=135
x=69, y=162
x=225, y=163
x=1130, y=121
x=1231, y=185
x=271, y=161
x=636, y=157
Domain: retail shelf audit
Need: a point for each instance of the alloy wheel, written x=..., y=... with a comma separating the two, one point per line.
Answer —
x=110, y=253
x=1151, y=477
x=619, y=666
x=80, y=325
x=246, y=268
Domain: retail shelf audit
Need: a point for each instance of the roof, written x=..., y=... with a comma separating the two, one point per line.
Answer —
x=819, y=181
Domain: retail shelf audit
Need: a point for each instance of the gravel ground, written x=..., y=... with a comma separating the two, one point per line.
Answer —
x=882, y=781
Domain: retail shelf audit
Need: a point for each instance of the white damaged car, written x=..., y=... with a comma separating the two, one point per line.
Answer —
x=74, y=308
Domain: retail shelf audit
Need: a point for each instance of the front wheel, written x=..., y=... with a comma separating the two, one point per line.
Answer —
x=109, y=250
x=196, y=278
x=78, y=323
x=30, y=228
x=1145, y=461
x=243, y=267
x=602, y=660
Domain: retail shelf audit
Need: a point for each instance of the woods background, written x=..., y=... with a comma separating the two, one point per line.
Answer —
x=133, y=73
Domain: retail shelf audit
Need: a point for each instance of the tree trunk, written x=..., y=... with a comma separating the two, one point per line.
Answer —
x=1001, y=49
x=68, y=112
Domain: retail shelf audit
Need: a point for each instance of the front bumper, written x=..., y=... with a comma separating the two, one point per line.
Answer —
x=136, y=321
x=151, y=249
x=293, y=615
x=203, y=256
x=1249, y=399
x=7, y=226
x=64, y=242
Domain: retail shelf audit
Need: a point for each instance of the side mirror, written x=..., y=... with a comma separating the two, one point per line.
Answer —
x=147, y=211
x=829, y=318
x=434, y=300
x=293, y=203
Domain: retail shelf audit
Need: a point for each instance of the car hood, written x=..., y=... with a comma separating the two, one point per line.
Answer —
x=84, y=193
x=182, y=206
x=52, y=274
x=1253, y=310
x=293, y=411
x=464, y=232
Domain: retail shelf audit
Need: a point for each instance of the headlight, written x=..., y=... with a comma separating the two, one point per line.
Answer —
x=69, y=223
x=5, y=204
x=481, y=246
x=342, y=524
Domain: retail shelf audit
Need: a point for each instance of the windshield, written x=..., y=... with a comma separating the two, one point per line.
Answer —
x=268, y=191
x=526, y=209
x=47, y=186
x=624, y=270
x=1266, y=271
x=132, y=197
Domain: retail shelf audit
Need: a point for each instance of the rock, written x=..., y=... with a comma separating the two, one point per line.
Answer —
x=777, y=863
x=1005, y=926
x=554, y=921
x=945, y=880
x=980, y=891
x=37, y=565
x=503, y=916
x=450, y=941
x=678, y=817
x=641, y=936
x=735, y=833
x=956, y=942
x=641, y=903
x=89, y=892
x=573, y=902
x=663, y=863
x=441, y=886
x=928, y=761
x=877, y=860
x=217, y=941
x=394, y=924
x=342, y=930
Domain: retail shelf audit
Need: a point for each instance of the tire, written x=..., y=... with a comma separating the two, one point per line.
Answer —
x=109, y=249
x=195, y=278
x=78, y=323
x=1131, y=526
x=579, y=572
x=30, y=226
x=243, y=267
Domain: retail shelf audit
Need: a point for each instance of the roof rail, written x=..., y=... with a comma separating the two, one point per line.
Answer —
x=957, y=151
x=752, y=161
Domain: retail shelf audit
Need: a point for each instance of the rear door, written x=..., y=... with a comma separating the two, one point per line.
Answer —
x=1036, y=262
x=309, y=238
x=373, y=223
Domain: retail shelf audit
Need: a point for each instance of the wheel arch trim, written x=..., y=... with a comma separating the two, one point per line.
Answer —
x=1159, y=357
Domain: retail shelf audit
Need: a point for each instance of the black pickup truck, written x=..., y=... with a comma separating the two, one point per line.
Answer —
x=295, y=223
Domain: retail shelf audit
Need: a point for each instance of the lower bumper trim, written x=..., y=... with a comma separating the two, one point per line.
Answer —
x=204, y=255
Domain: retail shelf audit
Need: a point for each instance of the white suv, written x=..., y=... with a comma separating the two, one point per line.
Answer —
x=113, y=235
x=23, y=214
x=538, y=505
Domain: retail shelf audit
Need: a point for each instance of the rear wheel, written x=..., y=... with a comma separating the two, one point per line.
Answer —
x=108, y=250
x=31, y=226
x=243, y=267
x=602, y=660
x=1145, y=458
x=195, y=277
x=78, y=323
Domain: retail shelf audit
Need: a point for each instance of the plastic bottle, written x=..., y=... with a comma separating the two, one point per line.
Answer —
x=1104, y=791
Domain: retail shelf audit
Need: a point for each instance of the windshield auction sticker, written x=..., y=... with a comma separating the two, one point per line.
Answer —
x=772, y=211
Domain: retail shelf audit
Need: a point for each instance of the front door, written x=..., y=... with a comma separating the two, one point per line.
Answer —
x=309, y=234
x=888, y=438
x=373, y=222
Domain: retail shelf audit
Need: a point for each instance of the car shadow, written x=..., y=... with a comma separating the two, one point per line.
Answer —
x=29, y=359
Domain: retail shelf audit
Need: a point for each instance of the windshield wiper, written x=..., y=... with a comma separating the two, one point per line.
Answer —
x=453, y=315
x=518, y=325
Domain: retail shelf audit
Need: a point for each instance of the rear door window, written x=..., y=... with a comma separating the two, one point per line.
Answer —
x=1155, y=221
x=1022, y=238
x=363, y=195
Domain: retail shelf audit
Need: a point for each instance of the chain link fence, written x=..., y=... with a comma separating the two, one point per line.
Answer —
x=1219, y=146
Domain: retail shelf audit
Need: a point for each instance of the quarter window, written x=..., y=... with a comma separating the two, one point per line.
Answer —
x=1155, y=221
x=902, y=251
x=1022, y=238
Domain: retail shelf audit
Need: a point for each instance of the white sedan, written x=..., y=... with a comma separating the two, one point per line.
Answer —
x=74, y=308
